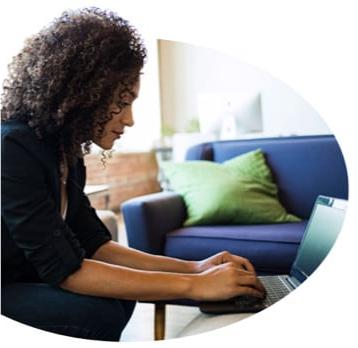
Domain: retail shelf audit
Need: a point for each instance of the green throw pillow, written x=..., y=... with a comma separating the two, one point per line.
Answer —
x=238, y=191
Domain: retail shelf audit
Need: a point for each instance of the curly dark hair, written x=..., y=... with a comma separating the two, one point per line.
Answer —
x=63, y=80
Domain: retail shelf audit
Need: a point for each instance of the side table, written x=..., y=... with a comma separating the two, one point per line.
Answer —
x=98, y=190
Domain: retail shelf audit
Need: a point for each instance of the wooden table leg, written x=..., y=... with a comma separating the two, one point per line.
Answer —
x=159, y=321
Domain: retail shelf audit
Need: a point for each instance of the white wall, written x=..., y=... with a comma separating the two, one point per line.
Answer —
x=286, y=113
x=187, y=71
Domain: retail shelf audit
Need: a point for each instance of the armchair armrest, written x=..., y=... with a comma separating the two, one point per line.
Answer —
x=149, y=218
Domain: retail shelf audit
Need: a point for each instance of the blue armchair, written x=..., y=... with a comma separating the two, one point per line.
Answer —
x=303, y=167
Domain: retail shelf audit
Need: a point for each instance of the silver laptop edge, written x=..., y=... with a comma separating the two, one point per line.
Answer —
x=299, y=271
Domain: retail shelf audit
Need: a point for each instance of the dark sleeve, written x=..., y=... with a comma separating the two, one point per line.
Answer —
x=89, y=228
x=31, y=216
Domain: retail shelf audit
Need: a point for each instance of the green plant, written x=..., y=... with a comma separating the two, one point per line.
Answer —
x=193, y=125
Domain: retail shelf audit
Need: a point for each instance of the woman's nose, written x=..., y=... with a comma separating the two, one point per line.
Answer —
x=128, y=118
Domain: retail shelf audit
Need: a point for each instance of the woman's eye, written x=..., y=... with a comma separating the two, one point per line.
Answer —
x=122, y=106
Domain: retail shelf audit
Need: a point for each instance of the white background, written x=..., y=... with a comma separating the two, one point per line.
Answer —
x=312, y=47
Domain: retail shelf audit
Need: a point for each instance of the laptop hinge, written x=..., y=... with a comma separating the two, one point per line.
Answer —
x=293, y=282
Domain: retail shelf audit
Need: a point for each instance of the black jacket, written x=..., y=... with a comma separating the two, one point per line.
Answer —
x=37, y=244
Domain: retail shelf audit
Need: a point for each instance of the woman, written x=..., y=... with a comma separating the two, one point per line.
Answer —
x=73, y=84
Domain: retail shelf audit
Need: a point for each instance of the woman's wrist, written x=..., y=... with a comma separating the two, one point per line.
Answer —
x=194, y=267
x=192, y=286
x=180, y=266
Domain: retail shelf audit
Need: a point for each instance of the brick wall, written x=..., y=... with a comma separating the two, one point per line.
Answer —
x=127, y=174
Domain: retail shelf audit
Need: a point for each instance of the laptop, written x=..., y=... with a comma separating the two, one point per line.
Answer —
x=323, y=227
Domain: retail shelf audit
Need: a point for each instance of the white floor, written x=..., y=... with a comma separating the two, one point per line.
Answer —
x=141, y=325
x=181, y=321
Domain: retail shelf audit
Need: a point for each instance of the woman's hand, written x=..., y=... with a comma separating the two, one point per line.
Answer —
x=221, y=258
x=223, y=276
x=223, y=282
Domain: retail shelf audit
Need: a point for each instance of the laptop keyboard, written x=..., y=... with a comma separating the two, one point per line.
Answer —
x=276, y=289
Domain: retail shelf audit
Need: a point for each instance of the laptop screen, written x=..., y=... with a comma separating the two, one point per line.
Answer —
x=321, y=232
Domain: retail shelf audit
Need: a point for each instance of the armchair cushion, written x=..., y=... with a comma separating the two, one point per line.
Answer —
x=271, y=248
x=238, y=191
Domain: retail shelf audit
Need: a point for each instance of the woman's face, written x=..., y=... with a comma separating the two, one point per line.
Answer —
x=114, y=128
